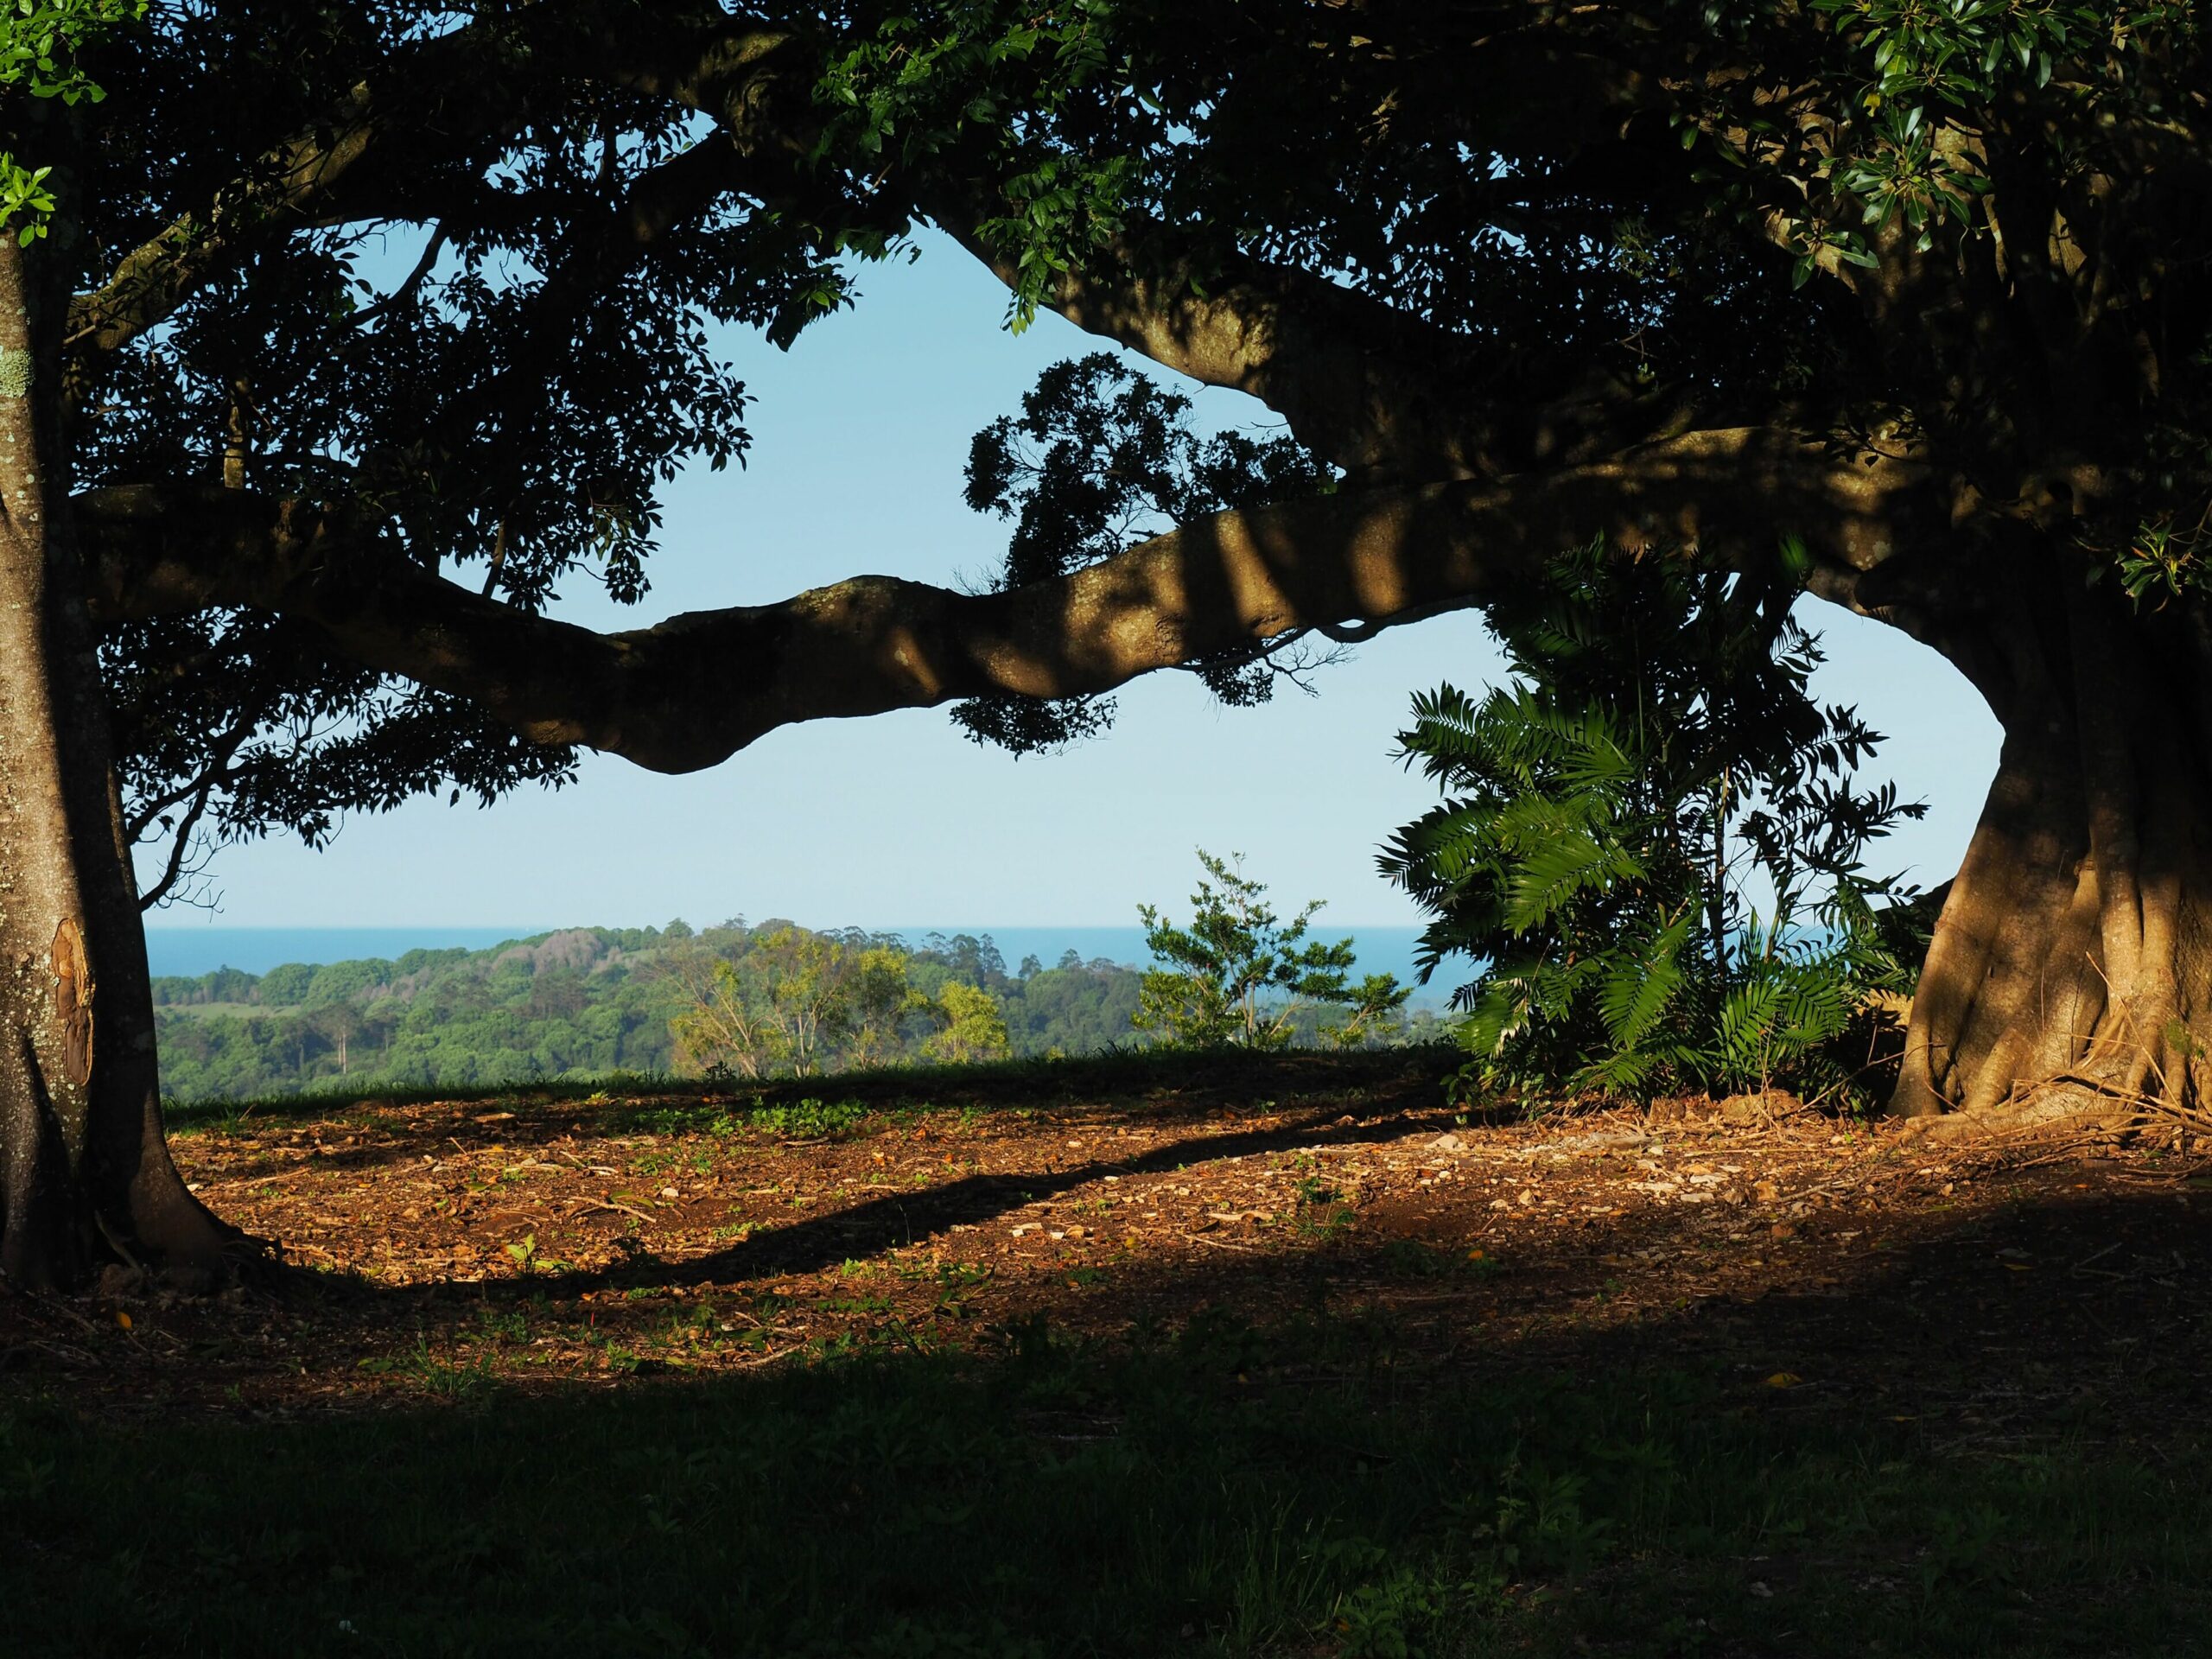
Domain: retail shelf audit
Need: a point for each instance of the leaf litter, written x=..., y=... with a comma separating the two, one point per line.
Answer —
x=553, y=1245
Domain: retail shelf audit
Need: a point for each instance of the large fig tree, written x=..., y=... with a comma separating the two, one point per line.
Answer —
x=340, y=334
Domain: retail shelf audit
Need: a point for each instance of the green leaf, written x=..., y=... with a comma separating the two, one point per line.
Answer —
x=1552, y=876
x=1638, y=989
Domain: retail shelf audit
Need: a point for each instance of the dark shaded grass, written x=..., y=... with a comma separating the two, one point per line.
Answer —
x=1222, y=1490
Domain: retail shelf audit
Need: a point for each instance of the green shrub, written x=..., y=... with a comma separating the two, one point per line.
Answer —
x=1652, y=841
x=1240, y=975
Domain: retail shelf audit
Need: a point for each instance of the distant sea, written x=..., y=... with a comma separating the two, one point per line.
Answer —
x=190, y=951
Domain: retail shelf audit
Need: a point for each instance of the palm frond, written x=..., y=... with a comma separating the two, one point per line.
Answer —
x=1640, y=982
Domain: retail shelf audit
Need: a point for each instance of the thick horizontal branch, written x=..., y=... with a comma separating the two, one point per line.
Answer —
x=1358, y=381
x=698, y=687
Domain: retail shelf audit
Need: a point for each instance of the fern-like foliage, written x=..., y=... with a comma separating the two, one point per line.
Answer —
x=1611, y=819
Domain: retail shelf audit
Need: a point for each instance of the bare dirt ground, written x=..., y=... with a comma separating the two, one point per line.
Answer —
x=564, y=1245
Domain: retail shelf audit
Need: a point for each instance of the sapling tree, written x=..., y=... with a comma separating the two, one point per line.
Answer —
x=970, y=1025
x=1240, y=974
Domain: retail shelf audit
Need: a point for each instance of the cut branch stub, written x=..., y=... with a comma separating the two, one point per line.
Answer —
x=72, y=1001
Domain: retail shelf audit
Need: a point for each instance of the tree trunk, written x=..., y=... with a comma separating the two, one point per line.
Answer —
x=85, y=1172
x=2071, y=966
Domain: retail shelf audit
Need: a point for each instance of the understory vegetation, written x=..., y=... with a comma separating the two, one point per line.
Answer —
x=1653, y=844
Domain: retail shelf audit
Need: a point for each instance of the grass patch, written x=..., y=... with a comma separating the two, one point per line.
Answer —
x=1118, y=1073
x=1222, y=1489
x=807, y=1118
x=333, y=1102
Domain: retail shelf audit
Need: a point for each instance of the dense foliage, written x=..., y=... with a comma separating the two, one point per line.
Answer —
x=40, y=42
x=484, y=384
x=1652, y=843
x=589, y=1002
x=1100, y=458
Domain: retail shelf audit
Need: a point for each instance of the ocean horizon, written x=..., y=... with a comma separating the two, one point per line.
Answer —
x=188, y=952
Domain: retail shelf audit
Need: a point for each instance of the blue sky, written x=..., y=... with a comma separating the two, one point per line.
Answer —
x=860, y=434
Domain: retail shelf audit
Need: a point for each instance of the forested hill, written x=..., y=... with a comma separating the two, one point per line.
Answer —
x=582, y=1002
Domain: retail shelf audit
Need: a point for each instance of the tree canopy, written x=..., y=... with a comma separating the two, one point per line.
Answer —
x=1696, y=272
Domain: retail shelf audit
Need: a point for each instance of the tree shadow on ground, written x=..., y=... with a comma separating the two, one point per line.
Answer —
x=1166, y=1086
x=1990, y=1437
x=872, y=1227
x=1951, y=1424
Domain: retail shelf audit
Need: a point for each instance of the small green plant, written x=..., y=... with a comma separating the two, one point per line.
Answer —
x=462, y=1381
x=1538, y=1523
x=1321, y=1211
x=1393, y=1609
x=957, y=1281
x=512, y=1326
x=810, y=1119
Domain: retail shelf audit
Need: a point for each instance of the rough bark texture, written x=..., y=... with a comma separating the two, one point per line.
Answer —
x=84, y=1175
x=2074, y=956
